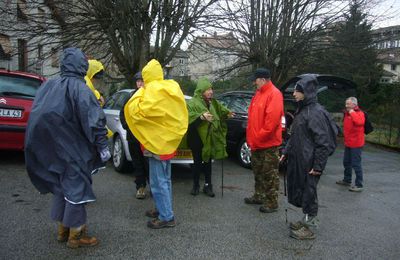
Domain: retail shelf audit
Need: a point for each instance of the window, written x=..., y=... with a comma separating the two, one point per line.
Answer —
x=120, y=102
x=393, y=66
x=111, y=101
x=22, y=55
x=5, y=47
x=40, y=52
x=225, y=100
x=22, y=11
x=181, y=61
x=240, y=104
x=19, y=85
x=54, y=58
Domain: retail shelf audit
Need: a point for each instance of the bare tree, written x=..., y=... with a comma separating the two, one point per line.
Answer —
x=125, y=33
x=277, y=34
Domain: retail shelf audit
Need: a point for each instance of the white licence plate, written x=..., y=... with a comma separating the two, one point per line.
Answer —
x=10, y=113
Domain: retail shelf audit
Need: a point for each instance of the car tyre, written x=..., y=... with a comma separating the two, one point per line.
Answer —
x=244, y=154
x=120, y=163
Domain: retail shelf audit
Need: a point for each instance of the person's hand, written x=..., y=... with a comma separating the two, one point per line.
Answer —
x=101, y=101
x=207, y=116
x=231, y=114
x=105, y=155
x=315, y=173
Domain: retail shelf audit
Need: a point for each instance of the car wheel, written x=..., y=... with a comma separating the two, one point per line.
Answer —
x=244, y=154
x=121, y=164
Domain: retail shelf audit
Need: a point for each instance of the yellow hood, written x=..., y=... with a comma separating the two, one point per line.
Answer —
x=94, y=67
x=157, y=114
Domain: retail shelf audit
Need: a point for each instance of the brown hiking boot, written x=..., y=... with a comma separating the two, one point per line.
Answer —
x=62, y=233
x=252, y=200
x=78, y=237
x=152, y=213
x=157, y=223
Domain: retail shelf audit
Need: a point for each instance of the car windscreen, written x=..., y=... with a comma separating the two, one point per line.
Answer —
x=18, y=86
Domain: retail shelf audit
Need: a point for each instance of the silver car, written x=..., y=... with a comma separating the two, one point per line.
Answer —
x=122, y=159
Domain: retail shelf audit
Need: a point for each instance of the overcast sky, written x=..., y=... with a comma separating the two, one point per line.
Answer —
x=386, y=13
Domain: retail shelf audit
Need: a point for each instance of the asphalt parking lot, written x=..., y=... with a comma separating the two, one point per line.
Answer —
x=353, y=225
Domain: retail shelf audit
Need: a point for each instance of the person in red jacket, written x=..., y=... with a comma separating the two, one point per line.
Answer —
x=353, y=129
x=264, y=136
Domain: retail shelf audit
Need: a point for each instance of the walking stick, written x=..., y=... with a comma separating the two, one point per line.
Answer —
x=222, y=177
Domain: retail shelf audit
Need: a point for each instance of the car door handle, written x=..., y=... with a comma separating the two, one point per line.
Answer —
x=116, y=119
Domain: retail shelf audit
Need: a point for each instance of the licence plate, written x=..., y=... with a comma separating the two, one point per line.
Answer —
x=10, y=113
x=183, y=154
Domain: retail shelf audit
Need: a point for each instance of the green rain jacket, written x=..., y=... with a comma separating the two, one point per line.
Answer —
x=212, y=135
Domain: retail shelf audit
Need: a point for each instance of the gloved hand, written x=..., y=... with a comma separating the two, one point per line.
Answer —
x=105, y=155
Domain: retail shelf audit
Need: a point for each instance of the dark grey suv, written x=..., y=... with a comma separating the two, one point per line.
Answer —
x=239, y=101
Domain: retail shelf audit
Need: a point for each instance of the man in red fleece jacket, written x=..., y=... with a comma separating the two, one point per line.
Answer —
x=264, y=136
x=353, y=128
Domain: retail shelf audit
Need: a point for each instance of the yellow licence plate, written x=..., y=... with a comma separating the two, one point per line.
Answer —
x=183, y=154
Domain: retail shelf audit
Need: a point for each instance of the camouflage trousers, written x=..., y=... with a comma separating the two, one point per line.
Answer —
x=265, y=167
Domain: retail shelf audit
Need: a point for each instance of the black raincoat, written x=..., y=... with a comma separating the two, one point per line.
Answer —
x=65, y=133
x=312, y=140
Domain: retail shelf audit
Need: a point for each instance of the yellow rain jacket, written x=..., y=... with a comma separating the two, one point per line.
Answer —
x=157, y=114
x=94, y=67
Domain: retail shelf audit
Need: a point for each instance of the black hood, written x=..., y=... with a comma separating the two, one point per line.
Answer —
x=74, y=63
x=309, y=84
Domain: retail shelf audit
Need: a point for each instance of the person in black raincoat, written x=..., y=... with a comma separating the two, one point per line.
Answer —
x=312, y=140
x=140, y=163
x=65, y=143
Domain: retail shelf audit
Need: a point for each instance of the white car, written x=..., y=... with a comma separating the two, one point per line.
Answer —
x=122, y=159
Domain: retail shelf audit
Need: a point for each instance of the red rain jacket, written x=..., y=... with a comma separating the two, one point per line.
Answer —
x=353, y=128
x=264, y=128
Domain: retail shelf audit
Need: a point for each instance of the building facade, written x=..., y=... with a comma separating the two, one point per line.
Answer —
x=387, y=42
x=20, y=47
x=214, y=56
x=179, y=66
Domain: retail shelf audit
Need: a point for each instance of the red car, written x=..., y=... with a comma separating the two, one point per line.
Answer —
x=17, y=91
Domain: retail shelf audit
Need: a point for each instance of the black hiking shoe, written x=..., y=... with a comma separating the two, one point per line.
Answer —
x=208, y=190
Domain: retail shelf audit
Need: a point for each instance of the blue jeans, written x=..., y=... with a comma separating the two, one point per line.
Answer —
x=161, y=187
x=352, y=160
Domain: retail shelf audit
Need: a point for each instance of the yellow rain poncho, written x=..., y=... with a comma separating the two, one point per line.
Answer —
x=157, y=114
x=94, y=67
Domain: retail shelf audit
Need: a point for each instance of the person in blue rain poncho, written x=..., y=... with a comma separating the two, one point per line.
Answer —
x=65, y=143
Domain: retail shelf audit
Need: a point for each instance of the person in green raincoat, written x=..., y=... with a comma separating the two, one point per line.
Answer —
x=206, y=135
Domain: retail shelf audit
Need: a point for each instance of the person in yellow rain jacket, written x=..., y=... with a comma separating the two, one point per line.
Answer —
x=95, y=72
x=157, y=116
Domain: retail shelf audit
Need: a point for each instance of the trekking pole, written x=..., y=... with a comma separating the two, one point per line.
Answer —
x=222, y=177
x=284, y=188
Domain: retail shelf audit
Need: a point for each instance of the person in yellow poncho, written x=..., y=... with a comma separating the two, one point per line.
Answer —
x=95, y=72
x=157, y=116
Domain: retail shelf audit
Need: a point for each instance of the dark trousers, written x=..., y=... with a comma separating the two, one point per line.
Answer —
x=310, y=197
x=199, y=167
x=141, y=181
x=70, y=215
x=140, y=163
x=352, y=160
